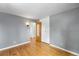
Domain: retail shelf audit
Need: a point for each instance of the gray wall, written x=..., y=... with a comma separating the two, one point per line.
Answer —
x=12, y=30
x=45, y=30
x=64, y=30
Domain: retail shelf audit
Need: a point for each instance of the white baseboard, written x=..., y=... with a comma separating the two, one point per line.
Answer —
x=14, y=46
x=64, y=49
x=46, y=42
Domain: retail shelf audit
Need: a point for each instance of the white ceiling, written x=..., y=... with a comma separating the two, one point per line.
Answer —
x=36, y=10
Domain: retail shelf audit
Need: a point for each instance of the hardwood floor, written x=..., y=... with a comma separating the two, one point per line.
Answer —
x=35, y=49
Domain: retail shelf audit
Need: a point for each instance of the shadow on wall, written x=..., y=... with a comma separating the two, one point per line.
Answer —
x=13, y=30
x=64, y=30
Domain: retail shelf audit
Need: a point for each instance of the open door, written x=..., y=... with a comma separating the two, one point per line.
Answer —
x=38, y=30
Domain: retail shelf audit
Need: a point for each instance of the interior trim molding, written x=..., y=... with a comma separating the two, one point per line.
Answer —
x=64, y=49
x=14, y=46
x=46, y=42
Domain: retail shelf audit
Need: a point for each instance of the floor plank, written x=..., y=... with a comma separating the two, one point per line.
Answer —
x=35, y=49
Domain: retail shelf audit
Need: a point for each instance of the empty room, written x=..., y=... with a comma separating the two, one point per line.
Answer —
x=39, y=29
